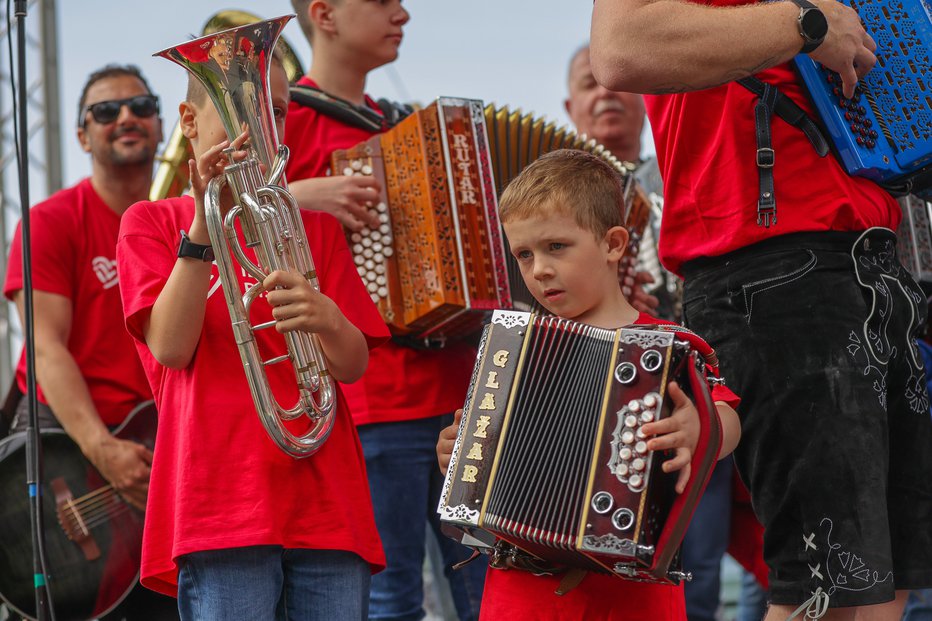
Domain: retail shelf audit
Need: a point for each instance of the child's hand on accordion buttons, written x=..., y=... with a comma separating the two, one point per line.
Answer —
x=446, y=442
x=349, y=199
x=679, y=431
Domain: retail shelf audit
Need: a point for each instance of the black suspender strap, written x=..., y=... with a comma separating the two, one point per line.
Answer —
x=349, y=113
x=766, y=202
x=771, y=101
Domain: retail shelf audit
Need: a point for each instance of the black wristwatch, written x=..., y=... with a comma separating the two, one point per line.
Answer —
x=812, y=25
x=188, y=249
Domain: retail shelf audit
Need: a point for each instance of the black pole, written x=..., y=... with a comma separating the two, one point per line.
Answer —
x=44, y=609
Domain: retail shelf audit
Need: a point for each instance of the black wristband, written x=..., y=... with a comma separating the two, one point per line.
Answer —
x=188, y=249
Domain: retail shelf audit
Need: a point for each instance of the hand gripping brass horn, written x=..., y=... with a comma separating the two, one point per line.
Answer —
x=236, y=76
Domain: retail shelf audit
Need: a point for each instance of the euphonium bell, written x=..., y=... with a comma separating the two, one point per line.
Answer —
x=234, y=66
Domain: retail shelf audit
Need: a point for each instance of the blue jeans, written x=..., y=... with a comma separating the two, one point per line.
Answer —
x=705, y=544
x=268, y=582
x=918, y=606
x=405, y=483
x=752, y=603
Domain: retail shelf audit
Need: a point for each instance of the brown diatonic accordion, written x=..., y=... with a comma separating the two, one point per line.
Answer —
x=438, y=262
x=551, y=469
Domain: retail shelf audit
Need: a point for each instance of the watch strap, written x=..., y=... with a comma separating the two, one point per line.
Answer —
x=187, y=249
x=809, y=44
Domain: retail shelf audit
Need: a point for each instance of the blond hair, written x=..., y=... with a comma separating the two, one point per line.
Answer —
x=569, y=182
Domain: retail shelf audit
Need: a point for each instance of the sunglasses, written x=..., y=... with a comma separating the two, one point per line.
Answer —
x=105, y=112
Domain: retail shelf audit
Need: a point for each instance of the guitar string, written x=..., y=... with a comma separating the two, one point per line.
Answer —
x=99, y=513
x=90, y=507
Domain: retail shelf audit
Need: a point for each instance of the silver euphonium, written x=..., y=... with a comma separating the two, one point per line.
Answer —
x=234, y=66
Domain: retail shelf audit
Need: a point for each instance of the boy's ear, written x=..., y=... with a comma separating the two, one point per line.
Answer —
x=617, y=240
x=322, y=16
x=187, y=118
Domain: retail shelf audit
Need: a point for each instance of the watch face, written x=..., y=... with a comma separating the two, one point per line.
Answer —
x=814, y=25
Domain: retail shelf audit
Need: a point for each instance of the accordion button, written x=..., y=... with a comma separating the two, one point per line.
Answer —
x=635, y=481
x=640, y=435
x=621, y=470
x=372, y=287
x=374, y=297
x=347, y=172
x=380, y=268
x=387, y=251
x=639, y=464
x=361, y=271
x=358, y=259
x=647, y=416
x=370, y=264
x=641, y=449
x=380, y=280
x=381, y=207
x=384, y=229
x=355, y=238
x=627, y=437
x=356, y=164
x=367, y=170
x=367, y=252
x=383, y=292
x=383, y=217
x=377, y=246
x=625, y=453
x=631, y=421
x=650, y=400
x=366, y=242
x=634, y=405
x=375, y=235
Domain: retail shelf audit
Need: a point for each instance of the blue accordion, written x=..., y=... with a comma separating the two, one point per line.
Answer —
x=884, y=132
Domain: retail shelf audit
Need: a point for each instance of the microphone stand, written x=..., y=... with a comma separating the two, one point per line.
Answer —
x=44, y=609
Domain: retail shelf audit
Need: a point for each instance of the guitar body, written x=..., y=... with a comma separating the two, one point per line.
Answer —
x=93, y=542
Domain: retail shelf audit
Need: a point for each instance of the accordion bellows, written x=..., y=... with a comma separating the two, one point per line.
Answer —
x=438, y=262
x=550, y=456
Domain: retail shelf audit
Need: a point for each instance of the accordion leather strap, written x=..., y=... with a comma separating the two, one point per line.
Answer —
x=701, y=466
x=771, y=101
x=361, y=117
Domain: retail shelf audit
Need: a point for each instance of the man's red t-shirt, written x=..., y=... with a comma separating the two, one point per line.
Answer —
x=400, y=383
x=706, y=148
x=218, y=480
x=516, y=594
x=74, y=237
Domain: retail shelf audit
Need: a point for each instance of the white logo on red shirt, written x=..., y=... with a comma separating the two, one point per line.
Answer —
x=106, y=270
x=216, y=283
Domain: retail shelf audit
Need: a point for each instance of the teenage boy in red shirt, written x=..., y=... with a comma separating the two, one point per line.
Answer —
x=407, y=395
x=564, y=224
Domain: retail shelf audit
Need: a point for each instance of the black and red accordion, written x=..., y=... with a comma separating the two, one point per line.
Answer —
x=550, y=462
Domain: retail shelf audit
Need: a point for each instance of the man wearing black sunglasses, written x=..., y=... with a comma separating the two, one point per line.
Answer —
x=88, y=372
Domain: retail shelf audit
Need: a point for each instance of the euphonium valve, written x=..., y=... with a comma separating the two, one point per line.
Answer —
x=234, y=67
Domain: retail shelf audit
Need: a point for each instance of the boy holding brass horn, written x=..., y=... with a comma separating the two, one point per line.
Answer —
x=407, y=395
x=239, y=529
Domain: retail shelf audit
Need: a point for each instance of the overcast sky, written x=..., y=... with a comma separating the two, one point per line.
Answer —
x=511, y=52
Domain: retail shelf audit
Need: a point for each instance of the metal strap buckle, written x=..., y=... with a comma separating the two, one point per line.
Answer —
x=765, y=157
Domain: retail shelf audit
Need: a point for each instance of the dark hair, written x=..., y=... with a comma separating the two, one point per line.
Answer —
x=109, y=71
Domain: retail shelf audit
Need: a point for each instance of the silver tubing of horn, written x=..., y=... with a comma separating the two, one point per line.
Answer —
x=234, y=66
